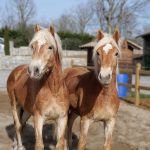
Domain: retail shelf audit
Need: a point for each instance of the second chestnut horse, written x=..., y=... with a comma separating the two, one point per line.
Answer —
x=93, y=94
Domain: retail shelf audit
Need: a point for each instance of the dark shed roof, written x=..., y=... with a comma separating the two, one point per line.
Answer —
x=144, y=35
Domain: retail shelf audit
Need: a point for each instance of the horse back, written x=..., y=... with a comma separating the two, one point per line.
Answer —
x=17, y=78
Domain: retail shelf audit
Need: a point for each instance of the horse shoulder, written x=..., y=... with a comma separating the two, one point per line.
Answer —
x=115, y=101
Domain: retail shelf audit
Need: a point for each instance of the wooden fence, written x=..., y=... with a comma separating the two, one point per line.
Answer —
x=137, y=86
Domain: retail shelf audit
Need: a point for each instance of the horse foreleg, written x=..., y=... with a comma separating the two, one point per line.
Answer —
x=84, y=126
x=38, y=125
x=108, y=126
x=61, y=133
x=71, y=119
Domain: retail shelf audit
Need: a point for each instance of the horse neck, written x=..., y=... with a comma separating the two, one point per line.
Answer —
x=55, y=77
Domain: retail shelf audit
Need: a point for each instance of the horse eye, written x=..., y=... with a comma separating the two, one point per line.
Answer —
x=32, y=47
x=97, y=53
x=50, y=47
x=116, y=54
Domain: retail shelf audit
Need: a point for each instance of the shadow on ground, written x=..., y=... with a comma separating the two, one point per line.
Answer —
x=29, y=136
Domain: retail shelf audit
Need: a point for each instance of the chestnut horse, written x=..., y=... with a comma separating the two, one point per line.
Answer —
x=38, y=89
x=93, y=94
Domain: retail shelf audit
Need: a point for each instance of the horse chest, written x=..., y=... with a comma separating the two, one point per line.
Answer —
x=102, y=113
x=54, y=109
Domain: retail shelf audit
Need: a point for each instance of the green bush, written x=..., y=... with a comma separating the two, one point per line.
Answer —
x=19, y=37
x=72, y=41
x=69, y=40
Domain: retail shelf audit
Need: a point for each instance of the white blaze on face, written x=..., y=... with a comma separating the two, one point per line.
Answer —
x=107, y=47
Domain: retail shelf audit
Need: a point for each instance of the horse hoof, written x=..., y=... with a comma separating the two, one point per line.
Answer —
x=39, y=147
x=60, y=147
x=21, y=148
x=15, y=147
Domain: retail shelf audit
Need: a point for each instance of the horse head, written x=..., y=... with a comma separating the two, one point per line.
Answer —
x=105, y=56
x=45, y=45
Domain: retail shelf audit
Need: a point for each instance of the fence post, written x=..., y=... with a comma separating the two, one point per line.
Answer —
x=137, y=84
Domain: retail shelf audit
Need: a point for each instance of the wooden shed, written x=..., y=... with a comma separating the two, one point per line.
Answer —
x=146, y=50
x=127, y=53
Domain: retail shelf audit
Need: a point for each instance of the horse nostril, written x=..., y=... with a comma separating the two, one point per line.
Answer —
x=100, y=76
x=36, y=70
x=108, y=76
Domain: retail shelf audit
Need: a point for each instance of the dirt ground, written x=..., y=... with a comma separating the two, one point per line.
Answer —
x=145, y=102
x=132, y=130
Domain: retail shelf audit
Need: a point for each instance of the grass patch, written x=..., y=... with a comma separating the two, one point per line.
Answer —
x=142, y=95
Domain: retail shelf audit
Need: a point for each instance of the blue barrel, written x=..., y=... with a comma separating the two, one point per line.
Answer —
x=122, y=90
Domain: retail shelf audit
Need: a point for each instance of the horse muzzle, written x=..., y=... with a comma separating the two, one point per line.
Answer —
x=105, y=76
x=34, y=72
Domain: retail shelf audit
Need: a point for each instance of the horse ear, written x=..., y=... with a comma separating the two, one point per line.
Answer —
x=37, y=28
x=99, y=35
x=52, y=30
x=116, y=35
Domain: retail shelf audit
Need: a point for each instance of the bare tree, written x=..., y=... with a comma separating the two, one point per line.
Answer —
x=109, y=13
x=66, y=22
x=83, y=14
x=8, y=17
x=146, y=28
x=24, y=10
x=77, y=19
x=118, y=13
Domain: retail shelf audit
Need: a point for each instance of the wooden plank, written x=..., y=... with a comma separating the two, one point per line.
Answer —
x=127, y=85
x=145, y=72
x=128, y=71
x=145, y=88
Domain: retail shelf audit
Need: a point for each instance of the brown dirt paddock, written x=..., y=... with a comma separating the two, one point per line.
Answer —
x=132, y=130
x=145, y=102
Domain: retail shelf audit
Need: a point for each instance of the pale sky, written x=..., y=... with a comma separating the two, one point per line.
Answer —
x=48, y=9
x=54, y=8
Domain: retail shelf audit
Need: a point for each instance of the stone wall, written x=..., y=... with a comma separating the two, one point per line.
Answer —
x=22, y=55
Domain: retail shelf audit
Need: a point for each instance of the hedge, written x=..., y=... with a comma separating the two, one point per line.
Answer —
x=69, y=40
